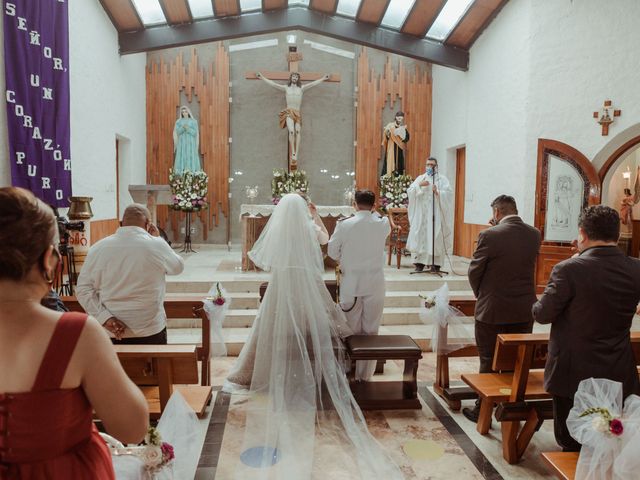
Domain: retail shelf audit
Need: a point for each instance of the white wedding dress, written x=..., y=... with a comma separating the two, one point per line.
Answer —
x=293, y=365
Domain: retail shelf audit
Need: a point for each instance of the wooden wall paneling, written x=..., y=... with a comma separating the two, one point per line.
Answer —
x=401, y=90
x=123, y=15
x=421, y=17
x=325, y=6
x=226, y=8
x=176, y=11
x=474, y=22
x=273, y=4
x=372, y=11
x=99, y=229
x=209, y=86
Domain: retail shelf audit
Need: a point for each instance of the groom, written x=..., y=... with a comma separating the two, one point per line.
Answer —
x=358, y=244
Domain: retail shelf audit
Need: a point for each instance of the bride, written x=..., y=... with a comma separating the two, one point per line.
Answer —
x=293, y=365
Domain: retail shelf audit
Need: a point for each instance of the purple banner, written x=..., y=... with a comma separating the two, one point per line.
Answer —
x=36, y=60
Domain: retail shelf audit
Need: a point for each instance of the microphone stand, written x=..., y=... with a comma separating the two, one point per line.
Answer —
x=433, y=268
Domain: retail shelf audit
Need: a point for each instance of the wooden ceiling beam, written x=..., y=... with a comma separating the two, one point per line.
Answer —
x=123, y=15
x=473, y=23
x=226, y=8
x=421, y=17
x=294, y=18
x=372, y=11
x=176, y=11
x=324, y=6
x=273, y=4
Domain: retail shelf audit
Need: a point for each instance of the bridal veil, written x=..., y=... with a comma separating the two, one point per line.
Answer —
x=298, y=385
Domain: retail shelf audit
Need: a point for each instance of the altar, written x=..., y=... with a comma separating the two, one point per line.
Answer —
x=255, y=217
x=151, y=196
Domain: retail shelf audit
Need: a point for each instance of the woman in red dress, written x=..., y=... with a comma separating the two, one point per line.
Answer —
x=55, y=370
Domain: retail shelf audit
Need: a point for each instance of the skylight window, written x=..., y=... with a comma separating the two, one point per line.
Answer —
x=201, y=8
x=348, y=7
x=396, y=13
x=149, y=11
x=448, y=19
x=247, y=5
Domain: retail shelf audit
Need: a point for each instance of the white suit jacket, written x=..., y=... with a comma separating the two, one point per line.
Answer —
x=358, y=244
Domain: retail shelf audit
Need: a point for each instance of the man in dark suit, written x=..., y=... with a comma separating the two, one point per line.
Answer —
x=502, y=275
x=590, y=301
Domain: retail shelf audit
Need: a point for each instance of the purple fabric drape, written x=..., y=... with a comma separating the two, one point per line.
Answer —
x=36, y=56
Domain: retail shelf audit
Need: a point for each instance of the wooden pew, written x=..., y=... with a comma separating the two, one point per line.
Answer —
x=520, y=394
x=562, y=464
x=158, y=369
x=453, y=395
x=177, y=306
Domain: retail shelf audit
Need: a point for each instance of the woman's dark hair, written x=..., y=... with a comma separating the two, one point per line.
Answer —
x=28, y=228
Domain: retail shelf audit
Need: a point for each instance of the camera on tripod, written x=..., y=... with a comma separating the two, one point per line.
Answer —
x=65, y=227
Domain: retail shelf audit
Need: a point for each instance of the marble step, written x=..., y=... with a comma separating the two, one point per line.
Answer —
x=244, y=318
x=393, y=284
x=235, y=338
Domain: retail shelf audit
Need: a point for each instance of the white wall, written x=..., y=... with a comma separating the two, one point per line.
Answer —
x=539, y=71
x=107, y=99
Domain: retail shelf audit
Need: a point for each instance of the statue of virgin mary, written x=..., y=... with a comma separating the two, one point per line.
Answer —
x=186, y=141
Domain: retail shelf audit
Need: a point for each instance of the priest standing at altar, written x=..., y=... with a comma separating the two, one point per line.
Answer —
x=428, y=192
x=358, y=244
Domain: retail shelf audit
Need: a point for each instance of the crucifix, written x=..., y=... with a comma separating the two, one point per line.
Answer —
x=291, y=116
x=605, y=116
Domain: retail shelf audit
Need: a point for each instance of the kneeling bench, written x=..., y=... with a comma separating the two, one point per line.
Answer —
x=385, y=395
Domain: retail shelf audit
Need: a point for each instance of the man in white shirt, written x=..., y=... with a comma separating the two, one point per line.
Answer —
x=358, y=244
x=122, y=282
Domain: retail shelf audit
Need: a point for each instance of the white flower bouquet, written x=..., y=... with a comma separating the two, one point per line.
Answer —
x=393, y=191
x=189, y=191
x=284, y=182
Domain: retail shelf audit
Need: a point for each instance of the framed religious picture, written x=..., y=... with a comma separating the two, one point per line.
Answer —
x=566, y=183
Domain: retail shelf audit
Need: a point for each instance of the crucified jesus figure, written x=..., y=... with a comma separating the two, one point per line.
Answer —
x=291, y=117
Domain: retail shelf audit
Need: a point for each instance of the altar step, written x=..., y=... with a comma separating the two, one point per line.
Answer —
x=403, y=283
x=235, y=338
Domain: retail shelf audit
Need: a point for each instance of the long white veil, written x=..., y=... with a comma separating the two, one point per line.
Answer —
x=298, y=384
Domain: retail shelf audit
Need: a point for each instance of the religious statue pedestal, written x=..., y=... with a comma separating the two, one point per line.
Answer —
x=255, y=217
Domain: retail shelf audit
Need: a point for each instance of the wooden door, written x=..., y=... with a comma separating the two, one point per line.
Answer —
x=566, y=182
x=458, y=219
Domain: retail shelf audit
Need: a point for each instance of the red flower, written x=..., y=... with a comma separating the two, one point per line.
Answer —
x=615, y=427
x=167, y=452
x=219, y=301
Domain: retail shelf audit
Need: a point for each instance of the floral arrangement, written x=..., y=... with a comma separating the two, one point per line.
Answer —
x=189, y=190
x=218, y=299
x=156, y=454
x=393, y=191
x=429, y=302
x=284, y=182
x=604, y=422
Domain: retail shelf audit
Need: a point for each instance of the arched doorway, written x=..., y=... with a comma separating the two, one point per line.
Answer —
x=619, y=171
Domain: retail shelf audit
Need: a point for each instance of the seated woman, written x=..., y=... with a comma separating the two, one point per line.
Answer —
x=55, y=369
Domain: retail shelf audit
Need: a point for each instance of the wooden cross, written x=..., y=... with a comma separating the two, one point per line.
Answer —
x=605, y=116
x=293, y=60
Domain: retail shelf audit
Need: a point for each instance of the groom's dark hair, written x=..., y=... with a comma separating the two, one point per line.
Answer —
x=365, y=198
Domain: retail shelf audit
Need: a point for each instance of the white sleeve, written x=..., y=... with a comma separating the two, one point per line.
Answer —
x=173, y=263
x=88, y=288
x=334, y=250
x=323, y=237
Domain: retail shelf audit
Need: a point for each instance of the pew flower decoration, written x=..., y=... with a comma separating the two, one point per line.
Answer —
x=156, y=454
x=604, y=422
x=216, y=307
x=429, y=301
x=219, y=298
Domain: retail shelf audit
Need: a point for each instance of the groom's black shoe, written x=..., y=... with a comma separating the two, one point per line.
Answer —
x=471, y=413
x=419, y=267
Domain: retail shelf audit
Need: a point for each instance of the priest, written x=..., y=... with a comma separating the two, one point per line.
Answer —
x=430, y=191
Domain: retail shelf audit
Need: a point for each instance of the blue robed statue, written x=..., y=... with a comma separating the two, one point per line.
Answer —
x=186, y=141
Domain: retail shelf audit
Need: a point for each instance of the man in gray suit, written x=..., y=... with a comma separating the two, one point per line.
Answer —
x=590, y=301
x=502, y=276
